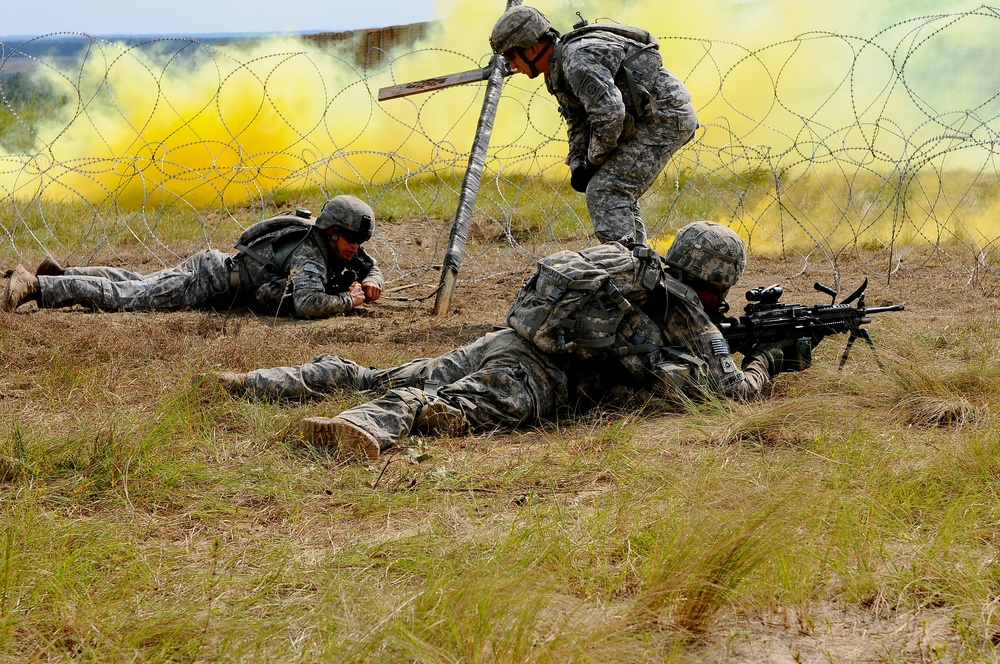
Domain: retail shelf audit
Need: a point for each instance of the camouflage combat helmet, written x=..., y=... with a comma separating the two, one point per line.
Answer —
x=519, y=27
x=351, y=216
x=709, y=251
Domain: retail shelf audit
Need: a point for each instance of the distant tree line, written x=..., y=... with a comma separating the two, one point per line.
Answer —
x=24, y=102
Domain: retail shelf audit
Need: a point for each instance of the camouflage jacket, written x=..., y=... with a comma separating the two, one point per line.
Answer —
x=316, y=282
x=692, y=355
x=694, y=344
x=593, y=97
x=687, y=325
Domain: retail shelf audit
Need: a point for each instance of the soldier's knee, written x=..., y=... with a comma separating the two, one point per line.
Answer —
x=324, y=358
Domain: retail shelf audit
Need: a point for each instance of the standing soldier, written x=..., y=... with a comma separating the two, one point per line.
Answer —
x=504, y=380
x=289, y=265
x=625, y=114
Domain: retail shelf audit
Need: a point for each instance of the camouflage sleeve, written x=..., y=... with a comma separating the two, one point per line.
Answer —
x=307, y=270
x=374, y=274
x=576, y=133
x=589, y=69
x=691, y=327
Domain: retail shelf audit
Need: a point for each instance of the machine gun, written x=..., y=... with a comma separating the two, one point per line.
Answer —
x=766, y=320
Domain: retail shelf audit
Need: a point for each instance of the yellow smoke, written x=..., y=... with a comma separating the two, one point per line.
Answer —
x=216, y=133
x=238, y=122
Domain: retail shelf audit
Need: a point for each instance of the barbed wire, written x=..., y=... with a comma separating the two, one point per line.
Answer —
x=818, y=149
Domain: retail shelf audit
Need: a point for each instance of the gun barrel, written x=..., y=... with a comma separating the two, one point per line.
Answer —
x=879, y=310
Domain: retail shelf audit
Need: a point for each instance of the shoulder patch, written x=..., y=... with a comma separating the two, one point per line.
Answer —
x=592, y=88
x=720, y=347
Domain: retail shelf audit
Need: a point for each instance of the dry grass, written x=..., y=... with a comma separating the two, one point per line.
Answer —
x=848, y=516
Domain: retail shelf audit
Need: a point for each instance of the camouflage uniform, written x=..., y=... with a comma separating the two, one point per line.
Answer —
x=201, y=280
x=318, y=281
x=687, y=325
x=630, y=145
x=498, y=380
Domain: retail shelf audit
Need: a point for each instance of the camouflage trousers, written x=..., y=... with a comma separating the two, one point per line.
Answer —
x=631, y=169
x=199, y=281
x=499, y=380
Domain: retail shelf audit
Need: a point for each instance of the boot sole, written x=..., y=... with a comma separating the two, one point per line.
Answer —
x=349, y=440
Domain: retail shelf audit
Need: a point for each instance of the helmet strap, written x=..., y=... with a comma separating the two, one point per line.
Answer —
x=533, y=62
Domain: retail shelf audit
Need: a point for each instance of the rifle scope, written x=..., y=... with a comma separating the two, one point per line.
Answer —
x=765, y=294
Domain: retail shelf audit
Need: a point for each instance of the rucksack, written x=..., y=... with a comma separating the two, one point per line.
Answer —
x=625, y=75
x=285, y=233
x=639, y=35
x=586, y=302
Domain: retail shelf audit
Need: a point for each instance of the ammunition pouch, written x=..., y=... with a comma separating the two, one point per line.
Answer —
x=680, y=373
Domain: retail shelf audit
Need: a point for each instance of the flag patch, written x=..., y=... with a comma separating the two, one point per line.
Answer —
x=720, y=347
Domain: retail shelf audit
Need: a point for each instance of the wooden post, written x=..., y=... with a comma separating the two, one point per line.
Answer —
x=452, y=262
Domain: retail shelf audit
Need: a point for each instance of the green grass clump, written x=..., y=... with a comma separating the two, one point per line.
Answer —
x=848, y=514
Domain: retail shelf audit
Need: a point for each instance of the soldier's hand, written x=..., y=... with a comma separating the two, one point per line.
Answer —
x=797, y=355
x=372, y=291
x=580, y=176
x=781, y=356
x=357, y=294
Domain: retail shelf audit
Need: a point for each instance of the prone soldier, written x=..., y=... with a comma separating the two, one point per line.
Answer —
x=286, y=265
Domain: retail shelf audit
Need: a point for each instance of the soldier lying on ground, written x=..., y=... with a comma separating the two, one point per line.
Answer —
x=505, y=380
x=625, y=114
x=286, y=264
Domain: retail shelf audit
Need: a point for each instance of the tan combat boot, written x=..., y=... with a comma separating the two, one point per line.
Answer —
x=439, y=417
x=23, y=286
x=49, y=267
x=348, y=439
x=234, y=383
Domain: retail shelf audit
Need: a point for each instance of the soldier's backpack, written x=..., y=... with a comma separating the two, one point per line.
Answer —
x=634, y=33
x=586, y=302
x=285, y=233
x=632, y=80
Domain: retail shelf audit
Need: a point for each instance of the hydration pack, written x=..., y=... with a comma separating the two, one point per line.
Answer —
x=634, y=81
x=639, y=35
x=284, y=234
x=587, y=302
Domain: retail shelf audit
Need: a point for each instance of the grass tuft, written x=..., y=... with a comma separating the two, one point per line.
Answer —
x=950, y=398
x=691, y=573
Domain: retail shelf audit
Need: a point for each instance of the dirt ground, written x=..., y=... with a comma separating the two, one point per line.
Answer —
x=162, y=347
x=403, y=324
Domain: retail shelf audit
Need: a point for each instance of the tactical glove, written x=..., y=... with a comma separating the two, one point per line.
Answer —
x=781, y=356
x=580, y=176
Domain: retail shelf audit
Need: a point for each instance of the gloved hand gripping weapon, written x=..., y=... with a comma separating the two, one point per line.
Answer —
x=767, y=320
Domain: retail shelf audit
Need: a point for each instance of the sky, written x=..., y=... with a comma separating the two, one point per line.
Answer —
x=195, y=17
x=203, y=17
x=168, y=117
